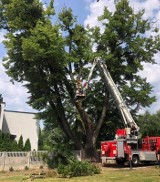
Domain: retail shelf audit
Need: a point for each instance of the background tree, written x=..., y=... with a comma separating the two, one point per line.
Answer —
x=41, y=139
x=27, y=145
x=150, y=124
x=50, y=62
x=20, y=143
x=6, y=145
x=14, y=146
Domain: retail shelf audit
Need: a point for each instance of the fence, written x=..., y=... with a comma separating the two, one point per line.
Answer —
x=20, y=160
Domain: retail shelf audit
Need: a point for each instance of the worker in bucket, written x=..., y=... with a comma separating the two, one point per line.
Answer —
x=80, y=91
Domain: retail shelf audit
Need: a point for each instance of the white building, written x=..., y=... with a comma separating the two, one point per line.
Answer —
x=20, y=123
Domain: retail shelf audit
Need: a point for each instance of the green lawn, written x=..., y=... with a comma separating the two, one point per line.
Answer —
x=108, y=174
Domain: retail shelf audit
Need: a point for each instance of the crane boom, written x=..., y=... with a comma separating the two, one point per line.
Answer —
x=126, y=115
x=128, y=119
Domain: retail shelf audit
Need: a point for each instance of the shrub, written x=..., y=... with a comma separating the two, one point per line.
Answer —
x=60, y=148
x=77, y=168
x=11, y=169
x=26, y=168
x=51, y=173
x=27, y=145
x=61, y=155
x=41, y=167
x=20, y=143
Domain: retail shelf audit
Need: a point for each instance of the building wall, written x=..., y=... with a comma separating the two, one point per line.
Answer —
x=22, y=123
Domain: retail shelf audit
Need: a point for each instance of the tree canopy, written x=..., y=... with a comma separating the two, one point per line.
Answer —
x=48, y=57
x=149, y=123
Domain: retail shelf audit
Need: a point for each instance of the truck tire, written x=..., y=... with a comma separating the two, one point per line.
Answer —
x=135, y=160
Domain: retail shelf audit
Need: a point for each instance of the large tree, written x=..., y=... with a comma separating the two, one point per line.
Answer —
x=49, y=57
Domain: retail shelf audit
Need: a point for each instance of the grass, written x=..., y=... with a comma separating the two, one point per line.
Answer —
x=108, y=174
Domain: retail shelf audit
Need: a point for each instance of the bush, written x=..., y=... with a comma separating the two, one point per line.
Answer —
x=77, y=168
x=27, y=145
x=51, y=173
x=41, y=167
x=11, y=169
x=60, y=156
x=26, y=168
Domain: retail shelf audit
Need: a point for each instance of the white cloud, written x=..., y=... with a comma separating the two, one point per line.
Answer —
x=15, y=96
x=150, y=7
x=152, y=71
x=152, y=12
x=96, y=9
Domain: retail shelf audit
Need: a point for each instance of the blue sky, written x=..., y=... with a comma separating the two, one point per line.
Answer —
x=87, y=12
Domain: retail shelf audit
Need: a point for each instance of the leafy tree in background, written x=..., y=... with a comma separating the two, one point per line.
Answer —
x=14, y=146
x=50, y=62
x=149, y=124
x=40, y=139
x=20, y=144
x=6, y=145
x=27, y=145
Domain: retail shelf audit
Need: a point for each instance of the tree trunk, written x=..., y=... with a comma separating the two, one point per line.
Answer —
x=90, y=151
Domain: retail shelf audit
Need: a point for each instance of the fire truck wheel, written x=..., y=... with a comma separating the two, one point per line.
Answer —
x=135, y=160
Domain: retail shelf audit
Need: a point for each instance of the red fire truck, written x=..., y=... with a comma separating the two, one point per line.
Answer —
x=122, y=150
x=127, y=146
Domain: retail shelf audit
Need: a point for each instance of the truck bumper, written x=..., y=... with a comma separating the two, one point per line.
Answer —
x=106, y=160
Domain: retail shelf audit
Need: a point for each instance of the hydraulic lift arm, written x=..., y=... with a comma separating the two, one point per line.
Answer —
x=126, y=115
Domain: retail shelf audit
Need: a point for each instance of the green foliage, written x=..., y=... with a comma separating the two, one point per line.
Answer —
x=49, y=57
x=41, y=140
x=11, y=169
x=14, y=146
x=27, y=145
x=60, y=149
x=149, y=124
x=26, y=168
x=125, y=49
x=20, y=143
x=50, y=9
x=6, y=143
x=77, y=168
x=21, y=14
x=6, y=146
